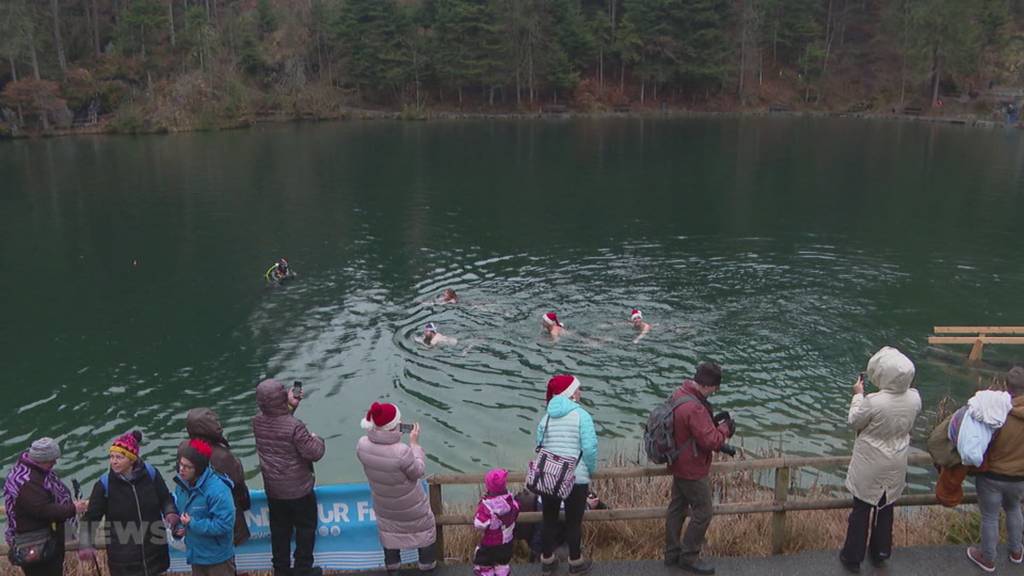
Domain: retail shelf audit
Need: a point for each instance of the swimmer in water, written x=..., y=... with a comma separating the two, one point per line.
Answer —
x=552, y=325
x=636, y=318
x=431, y=337
x=279, y=272
x=449, y=296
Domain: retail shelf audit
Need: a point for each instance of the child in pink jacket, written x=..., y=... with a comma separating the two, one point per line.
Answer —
x=496, y=518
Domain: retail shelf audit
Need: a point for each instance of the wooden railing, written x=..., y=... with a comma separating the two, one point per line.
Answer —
x=777, y=507
x=977, y=337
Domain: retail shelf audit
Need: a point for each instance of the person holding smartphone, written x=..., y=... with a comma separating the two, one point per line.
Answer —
x=287, y=451
x=394, y=470
x=877, y=474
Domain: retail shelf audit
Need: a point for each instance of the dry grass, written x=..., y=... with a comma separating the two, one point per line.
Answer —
x=737, y=535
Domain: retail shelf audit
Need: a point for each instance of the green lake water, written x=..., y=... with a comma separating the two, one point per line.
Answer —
x=788, y=250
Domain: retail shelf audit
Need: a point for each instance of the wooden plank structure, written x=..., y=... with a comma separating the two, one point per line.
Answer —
x=977, y=337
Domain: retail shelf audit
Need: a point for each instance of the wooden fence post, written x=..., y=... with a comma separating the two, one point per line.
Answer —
x=779, y=517
x=437, y=506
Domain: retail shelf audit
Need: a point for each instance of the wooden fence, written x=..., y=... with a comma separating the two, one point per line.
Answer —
x=777, y=507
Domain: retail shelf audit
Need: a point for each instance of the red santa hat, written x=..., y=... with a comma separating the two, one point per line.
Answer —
x=551, y=319
x=636, y=315
x=562, y=385
x=382, y=416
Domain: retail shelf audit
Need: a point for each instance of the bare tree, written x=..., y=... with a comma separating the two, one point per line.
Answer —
x=57, y=41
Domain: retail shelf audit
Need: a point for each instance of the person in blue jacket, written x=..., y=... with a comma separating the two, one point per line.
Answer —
x=203, y=498
x=567, y=430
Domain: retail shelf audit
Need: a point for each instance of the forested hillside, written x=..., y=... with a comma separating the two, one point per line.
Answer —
x=180, y=64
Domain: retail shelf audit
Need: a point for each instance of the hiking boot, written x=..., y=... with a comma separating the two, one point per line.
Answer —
x=548, y=566
x=671, y=560
x=696, y=566
x=1018, y=557
x=580, y=567
x=978, y=557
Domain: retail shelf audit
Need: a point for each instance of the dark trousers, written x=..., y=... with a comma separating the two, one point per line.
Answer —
x=689, y=498
x=864, y=519
x=427, y=559
x=575, y=506
x=54, y=567
x=296, y=516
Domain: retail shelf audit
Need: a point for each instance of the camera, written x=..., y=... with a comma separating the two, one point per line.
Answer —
x=405, y=428
x=727, y=418
x=728, y=449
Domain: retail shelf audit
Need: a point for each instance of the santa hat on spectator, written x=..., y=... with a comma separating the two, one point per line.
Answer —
x=551, y=319
x=382, y=416
x=636, y=315
x=562, y=385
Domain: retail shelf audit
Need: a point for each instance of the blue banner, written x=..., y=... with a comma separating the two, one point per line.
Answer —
x=346, y=537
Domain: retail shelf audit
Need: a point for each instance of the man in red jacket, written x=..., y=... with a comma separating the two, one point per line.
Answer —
x=696, y=437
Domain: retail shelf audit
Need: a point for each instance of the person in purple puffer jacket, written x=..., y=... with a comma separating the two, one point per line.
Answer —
x=287, y=451
x=496, y=517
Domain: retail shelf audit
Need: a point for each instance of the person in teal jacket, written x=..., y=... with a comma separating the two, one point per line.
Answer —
x=567, y=430
x=203, y=497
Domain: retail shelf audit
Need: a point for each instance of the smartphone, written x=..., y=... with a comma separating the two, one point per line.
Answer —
x=864, y=377
x=405, y=428
x=297, y=388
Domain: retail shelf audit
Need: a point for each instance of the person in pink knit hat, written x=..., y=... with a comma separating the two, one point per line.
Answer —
x=496, y=518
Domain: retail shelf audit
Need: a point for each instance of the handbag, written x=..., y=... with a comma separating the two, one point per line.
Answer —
x=34, y=547
x=549, y=474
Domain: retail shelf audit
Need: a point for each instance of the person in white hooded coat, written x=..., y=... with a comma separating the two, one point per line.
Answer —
x=877, y=475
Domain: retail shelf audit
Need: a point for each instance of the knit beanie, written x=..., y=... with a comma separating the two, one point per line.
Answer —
x=198, y=452
x=495, y=481
x=43, y=450
x=127, y=445
x=636, y=315
x=562, y=385
x=382, y=416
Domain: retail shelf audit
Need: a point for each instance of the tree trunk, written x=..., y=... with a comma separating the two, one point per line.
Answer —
x=170, y=19
x=35, y=72
x=14, y=69
x=643, y=90
x=57, y=41
x=936, y=75
x=96, y=28
x=600, y=68
x=622, y=75
x=142, y=37
x=830, y=33
x=530, y=72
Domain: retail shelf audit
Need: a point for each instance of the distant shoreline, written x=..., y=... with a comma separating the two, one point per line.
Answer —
x=104, y=126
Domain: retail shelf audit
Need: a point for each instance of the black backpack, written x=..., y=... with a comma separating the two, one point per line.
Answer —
x=659, y=432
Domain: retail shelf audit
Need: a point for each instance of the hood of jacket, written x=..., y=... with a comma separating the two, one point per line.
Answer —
x=891, y=371
x=560, y=406
x=1018, y=407
x=499, y=505
x=203, y=423
x=272, y=398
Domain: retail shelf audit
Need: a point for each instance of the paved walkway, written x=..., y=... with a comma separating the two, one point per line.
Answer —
x=930, y=561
